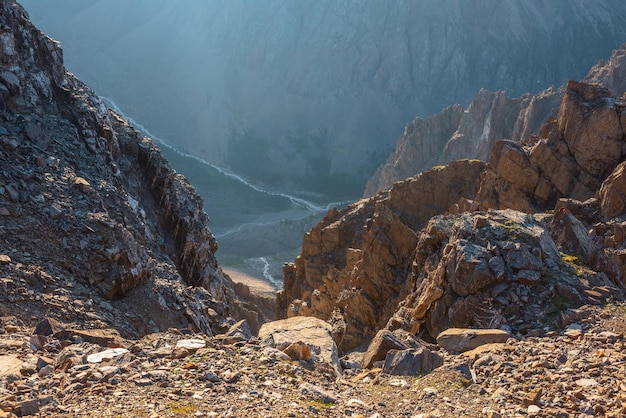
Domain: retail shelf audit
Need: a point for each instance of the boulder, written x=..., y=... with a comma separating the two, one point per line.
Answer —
x=10, y=364
x=571, y=236
x=384, y=341
x=457, y=340
x=314, y=332
x=411, y=362
x=591, y=128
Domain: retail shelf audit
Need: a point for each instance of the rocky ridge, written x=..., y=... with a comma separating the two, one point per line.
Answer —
x=395, y=261
x=97, y=228
x=472, y=133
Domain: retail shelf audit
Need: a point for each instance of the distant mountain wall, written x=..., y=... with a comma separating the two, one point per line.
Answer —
x=309, y=95
x=489, y=118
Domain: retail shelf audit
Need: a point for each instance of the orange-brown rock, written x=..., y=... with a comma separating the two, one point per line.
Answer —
x=458, y=134
x=570, y=157
x=382, y=263
x=613, y=193
x=489, y=117
x=354, y=264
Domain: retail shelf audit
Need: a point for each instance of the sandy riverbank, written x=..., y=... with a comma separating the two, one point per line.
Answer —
x=257, y=285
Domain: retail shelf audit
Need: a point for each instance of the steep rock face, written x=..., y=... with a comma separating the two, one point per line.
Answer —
x=613, y=193
x=570, y=157
x=418, y=149
x=612, y=73
x=354, y=263
x=471, y=133
x=89, y=207
x=480, y=269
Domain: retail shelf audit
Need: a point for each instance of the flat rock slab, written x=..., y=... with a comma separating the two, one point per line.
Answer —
x=191, y=344
x=106, y=355
x=312, y=331
x=10, y=365
x=459, y=340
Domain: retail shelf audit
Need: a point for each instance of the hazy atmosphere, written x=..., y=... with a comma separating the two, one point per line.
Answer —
x=313, y=208
x=298, y=102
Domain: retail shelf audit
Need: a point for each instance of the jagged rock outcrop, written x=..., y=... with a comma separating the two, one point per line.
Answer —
x=418, y=149
x=469, y=133
x=571, y=156
x=353, y=264
x=492, y=269
x=610, y=74
x=93, y=211
x=479, y=269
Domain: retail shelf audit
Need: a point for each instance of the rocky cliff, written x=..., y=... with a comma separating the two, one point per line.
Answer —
x=318, y=88
x=97, y=228
x=470, y=133
x=488, y=118
x=396, y=261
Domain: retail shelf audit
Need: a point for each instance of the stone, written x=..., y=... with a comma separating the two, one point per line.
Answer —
x=9, y=364
x=211, y=377
x=43, y=362
x=533, y=409
x=240, y=329
x=613, y=193
x=192, y=344
x=411, y=362
x=82, y=184
x=106, y=355
x=460, y=340
x=48, y=327
x=314, y=332
x=45, y=371
x=297, y=350
x=532, y=398
x=586, y=382
x=38, y=342
x=13, y=194
x=27, y=408
x=5, y=259
x=105, y=337
x=317, y=393
x=55, y=210
x=591, y=129
x=571, y=236
x=380, y=345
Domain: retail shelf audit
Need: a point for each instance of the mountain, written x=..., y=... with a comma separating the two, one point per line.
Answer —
x=97, y=228
x=456, y=133
x=474, y=244
x=309, y=95
x=112, y=302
